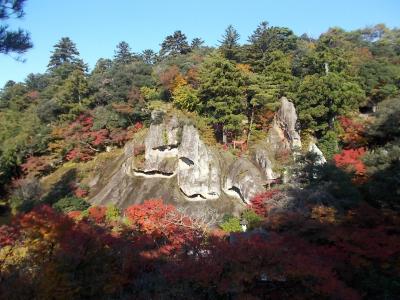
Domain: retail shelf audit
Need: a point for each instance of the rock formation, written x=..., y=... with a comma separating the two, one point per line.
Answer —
x=198, y=168
x=171, y=161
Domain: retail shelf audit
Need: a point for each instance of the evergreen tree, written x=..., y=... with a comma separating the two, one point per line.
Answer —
x=221, y=94
x=64, y=52
x=123, y=54
x=320, y=99
x=229, y=43
x=266, y=39
x=149, y=56
x=17, y=41
x=196, y=43
x=175, y=44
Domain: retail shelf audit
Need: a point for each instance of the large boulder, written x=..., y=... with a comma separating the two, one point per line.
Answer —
x=198, y=168
x=286, y=119
x=282, y=139
x=263, y=157
x=313, y=148
x=244, y=180
x=161, y=149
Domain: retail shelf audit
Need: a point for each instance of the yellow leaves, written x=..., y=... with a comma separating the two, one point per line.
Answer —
x=12, y=255
x=179, y=81
x=244, y=68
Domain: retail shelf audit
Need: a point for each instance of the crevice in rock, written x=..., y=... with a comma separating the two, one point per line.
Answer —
x=154, y=172
x=187, y=161
x=193, y=196
x=166, y=147
x=237, y=191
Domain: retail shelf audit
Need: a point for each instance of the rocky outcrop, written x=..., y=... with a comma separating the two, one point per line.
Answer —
x=171, y=160
x=282, y=139
x=243, y=180
x=283, y=134
x=198, y=168
x=161, y=149
x=264, y=159
x=312, y=148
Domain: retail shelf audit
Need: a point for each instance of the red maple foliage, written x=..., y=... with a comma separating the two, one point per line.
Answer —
x=37, y=165
x=97, y=213
x=305, y=259
x=350, y=160
x=259, y=203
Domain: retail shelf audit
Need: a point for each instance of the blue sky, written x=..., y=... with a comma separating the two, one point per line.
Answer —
x=96, y=26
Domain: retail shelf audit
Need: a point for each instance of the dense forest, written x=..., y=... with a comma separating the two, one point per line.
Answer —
x=343, y=243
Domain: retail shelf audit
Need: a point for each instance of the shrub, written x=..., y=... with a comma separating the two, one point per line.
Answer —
x=69, y=204
x=252, y=218
x=112, y=213
x=231, y=225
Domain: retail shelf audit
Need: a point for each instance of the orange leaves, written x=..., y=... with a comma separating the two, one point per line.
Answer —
x=149, y=217
x=354, y=132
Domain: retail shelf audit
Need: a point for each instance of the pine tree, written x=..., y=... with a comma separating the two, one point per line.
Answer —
x=221, y=94
x=196, y=43
x=17, y=41
x=175, y=44
x=65, y=52
x=123, y=54
x=266, y=39
x=229, y=43
x=149, y=56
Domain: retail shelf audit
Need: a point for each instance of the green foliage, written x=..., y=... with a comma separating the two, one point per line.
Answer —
x=112, y=213
x=106, y=117
x=13, y=41
x=231, y=225
x=266, y=39
x=252, y=218
x=123, y=54
x=328, y=144
x=386, y=126
x=221, y=93
x=71, y=204
x=320, y=99
x=383, y=162
x=229, y=44
x=174, y=44
x=149, y=93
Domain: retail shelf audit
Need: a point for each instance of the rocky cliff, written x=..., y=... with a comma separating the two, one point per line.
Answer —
x=171, y=161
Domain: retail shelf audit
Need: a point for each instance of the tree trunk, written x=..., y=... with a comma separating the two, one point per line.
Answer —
x=251, y=125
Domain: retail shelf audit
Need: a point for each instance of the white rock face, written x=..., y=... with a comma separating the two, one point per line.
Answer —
x=282, y=137
x=284, y=126
x=314, y=149
x=161, y=147
x=243, y=180
x=261, y=157
x=198, y=167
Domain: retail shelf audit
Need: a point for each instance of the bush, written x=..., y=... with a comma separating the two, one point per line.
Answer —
x=231, y=225
x=252, y=218
x=112, y=213
x=71, y=204
x=26, y=194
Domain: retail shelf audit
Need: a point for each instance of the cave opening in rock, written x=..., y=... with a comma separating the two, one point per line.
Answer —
x=187, y=161
x=166, y=147
x=154, y=172
x=193, y=196
x=237, y=191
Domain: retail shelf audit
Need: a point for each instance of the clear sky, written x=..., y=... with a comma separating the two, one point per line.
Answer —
x=96, y=26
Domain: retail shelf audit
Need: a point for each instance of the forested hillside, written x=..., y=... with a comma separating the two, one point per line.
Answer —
x=320, y=230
